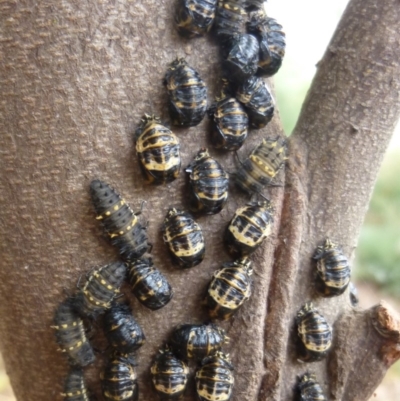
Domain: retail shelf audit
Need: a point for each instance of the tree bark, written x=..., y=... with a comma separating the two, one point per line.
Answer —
x=76, y=78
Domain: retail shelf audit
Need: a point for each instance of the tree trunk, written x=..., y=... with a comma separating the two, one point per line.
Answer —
x=76, y=78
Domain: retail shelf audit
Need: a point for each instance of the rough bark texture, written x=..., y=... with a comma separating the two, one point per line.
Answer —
x=76, y=77
x=368, y=341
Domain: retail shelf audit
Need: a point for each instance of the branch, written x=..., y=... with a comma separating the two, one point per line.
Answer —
x=368, y=341
x=336, y=150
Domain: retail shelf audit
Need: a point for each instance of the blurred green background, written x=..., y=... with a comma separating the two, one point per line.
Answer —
x=309, y=26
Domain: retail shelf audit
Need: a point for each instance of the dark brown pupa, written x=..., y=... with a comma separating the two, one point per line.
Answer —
x=158, y=150
x=333, y=269
x=240, y=57
x=119, y=379
x=271, y=39
x=187, y=94
x=249, y=227
x=309, y=389
x=148, y=284
x=314, y=332
x=208, y=184
x=230, y=123
x=184, y=238
x=196, y=341
x=214, y=379
x=195, y=17
x=169, y=375
x=257, y=100
x=123, y=332
x=229, y=288
x=229, y=19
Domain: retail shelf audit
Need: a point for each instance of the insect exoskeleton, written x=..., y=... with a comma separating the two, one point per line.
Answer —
x=254, y=4
x=169, y=375
x=158, y=151
x=215, y=380
x=262, y=165
x=102, y=286
x=240, y=57
x=195, y=17
x=119, y=221
x=196, y=341
x=250, y=225
x=119, y=379
x=184, y=238
x=354, y=300
x=230, y=123
x=208, y=184
x=315, y=334
x=229, y=288
x=71, y=336
x=187, y=94
x=75, y=387
x=148, y=284
x=257, y=99
x=271, y=39
x=123, y=332
x=229, y=19
x=309, y=389
x=333, y=269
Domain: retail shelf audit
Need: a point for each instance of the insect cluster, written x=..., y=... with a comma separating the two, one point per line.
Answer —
x=252, y=47
x=201, y=343
x=245, y=103
x=315, y=336
x=122, y=331
x=98, y=296
x=250, y=50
